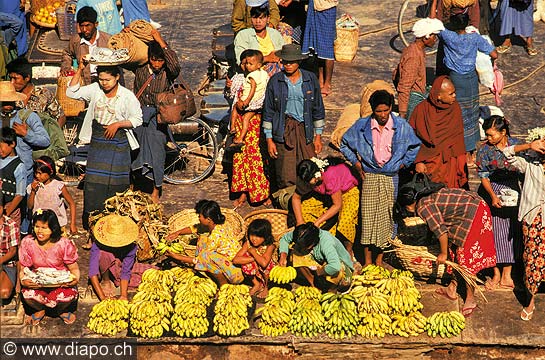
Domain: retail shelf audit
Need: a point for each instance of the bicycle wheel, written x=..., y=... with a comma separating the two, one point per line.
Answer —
x=192, y=152
x=410, y=12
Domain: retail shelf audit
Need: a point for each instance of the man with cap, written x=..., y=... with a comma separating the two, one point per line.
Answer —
x=293, y=116
x=241, y=19
x=410, y=74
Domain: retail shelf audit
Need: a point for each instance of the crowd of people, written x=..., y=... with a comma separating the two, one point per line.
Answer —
x=277, y=119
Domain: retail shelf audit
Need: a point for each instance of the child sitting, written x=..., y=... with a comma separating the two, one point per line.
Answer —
x=12, y=175
x=8, y=249
x=250, y=100
x=255, y=256
x=47, y=191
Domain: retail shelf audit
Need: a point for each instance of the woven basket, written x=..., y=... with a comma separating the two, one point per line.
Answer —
x=66, y=20
x=36, y=5
x=277, y=218
x=138, y=50
x=70, y=106
x=145, y=248
x=189, y=217
x=346, y=44
x=420, y=267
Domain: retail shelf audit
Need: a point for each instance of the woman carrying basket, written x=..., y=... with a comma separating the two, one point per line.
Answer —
x=462, y=222
x=215, y=251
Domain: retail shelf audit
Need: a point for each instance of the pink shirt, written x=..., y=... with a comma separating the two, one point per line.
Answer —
x=61, y=254
x=336, y=178
x=382, y=140
x=49, y=196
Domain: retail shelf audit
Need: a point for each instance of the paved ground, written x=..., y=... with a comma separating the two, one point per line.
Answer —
x=187, y=27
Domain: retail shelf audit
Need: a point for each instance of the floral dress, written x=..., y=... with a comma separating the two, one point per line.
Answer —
x=253, y=268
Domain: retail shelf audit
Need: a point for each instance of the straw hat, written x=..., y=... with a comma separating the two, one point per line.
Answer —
x=115, y=230
x=8, y=93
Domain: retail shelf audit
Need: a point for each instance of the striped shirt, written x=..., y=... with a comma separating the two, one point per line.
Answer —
x=160, y=81
x=10, y=238
x=450, y=211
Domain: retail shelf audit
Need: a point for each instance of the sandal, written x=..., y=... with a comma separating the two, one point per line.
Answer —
x=527, y=315
x=68, y=318
x=467, y=311
x=532, y=51
x=504, y=49
x=34, y=320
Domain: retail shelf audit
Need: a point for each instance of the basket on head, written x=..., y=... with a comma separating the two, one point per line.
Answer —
x=346, y=44
x=189, y=217
x=71, y=107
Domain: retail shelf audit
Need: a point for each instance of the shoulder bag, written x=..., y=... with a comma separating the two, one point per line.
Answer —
x=176, y=104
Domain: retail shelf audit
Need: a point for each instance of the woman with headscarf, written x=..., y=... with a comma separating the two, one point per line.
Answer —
x=378, y=146
x=438, y=124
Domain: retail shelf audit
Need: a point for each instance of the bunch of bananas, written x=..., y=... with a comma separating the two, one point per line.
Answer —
x=158, y=276
x=175, y=247
x=231, y=311
x=277, y=311
x=397, y=273
x=370, y=275
x=181, y=276
x=307, y=319
x=405, y=301
x=189, y=320
x=390, y=285
x=412, y=324
x=307, y=292
x=109, y=317
x=370, y=300
x=341, y=315
x=446, y=324
x=283, y=274
x=150, y=309
x=374, y=324
x=150, y=318
x=197, y=290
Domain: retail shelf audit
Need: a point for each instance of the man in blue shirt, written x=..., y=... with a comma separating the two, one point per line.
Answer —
x=293, y=116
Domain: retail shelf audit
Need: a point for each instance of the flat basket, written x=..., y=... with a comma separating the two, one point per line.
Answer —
x=70, y=106
x=346, y=44
x=189, y=217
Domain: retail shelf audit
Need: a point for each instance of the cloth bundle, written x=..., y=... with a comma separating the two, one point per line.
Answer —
x=461, y=4
x=138, y=50
x=142, y=30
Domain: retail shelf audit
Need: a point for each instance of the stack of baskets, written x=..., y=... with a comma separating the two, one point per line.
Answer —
x=70, y=106
x=346, y=43
x=189, y=217
x=66, y=20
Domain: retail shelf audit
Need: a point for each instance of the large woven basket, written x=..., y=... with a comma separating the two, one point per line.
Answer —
x=277, y=218
x=346, y=44
x=70, y=106
x=189, y=217
x=422, y=268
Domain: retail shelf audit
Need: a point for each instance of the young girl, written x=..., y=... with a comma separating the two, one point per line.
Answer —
x=46, y=248
x=249, y=99
x=215, y=251
x=255, y=256
x=497, y=174
x=47, y=191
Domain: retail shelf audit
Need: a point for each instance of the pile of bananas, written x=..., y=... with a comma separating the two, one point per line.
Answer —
x=283, y=274
x=391, y=285
x=197, y=290
x=109, y=317
x=307, y=319
x=231, y=311
x=154, y=276
x=175, y=247
x=374, y=324
x=192, y=299
x=405, y=301
x=181, y=276
x=277, y=312
x=341, y=315
x=370, y=275
x=446, y=324
x=412, y=324
x=397, y=273
x=150, y=310
x=370, y=300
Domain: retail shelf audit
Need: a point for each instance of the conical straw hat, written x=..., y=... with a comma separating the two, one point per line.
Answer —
x=8, y=93
x=115, y=230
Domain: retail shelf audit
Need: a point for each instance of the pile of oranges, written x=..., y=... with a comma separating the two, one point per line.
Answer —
x=47, y=14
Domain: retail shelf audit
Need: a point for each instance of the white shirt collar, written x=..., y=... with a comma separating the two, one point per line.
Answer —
x=83, y=41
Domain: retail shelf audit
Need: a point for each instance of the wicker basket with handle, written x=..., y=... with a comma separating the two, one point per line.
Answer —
x=71, y=107
x=346, y=44
x=189, y=217
x=420, y=267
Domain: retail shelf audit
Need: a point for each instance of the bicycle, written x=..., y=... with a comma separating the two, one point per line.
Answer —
x=405, y=19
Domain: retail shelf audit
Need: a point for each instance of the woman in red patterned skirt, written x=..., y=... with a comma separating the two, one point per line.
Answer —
x=248, y=175
x=462, y=222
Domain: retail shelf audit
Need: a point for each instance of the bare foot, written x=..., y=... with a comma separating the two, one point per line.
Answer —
x=263, y=293
x=507, y=284
x=255, y=289
x=240, y=201
x=108, y=288
x=492, y=284
x=155, y=198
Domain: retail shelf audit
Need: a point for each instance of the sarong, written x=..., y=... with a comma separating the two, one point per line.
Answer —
x=467, y=94
x=51, y=297
x=248, y=171
x=534, y=253
x=215, y=263
x=478, y=251
x=107, y=171
x=415, y=98
x=320, y=32
x=378, y=196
